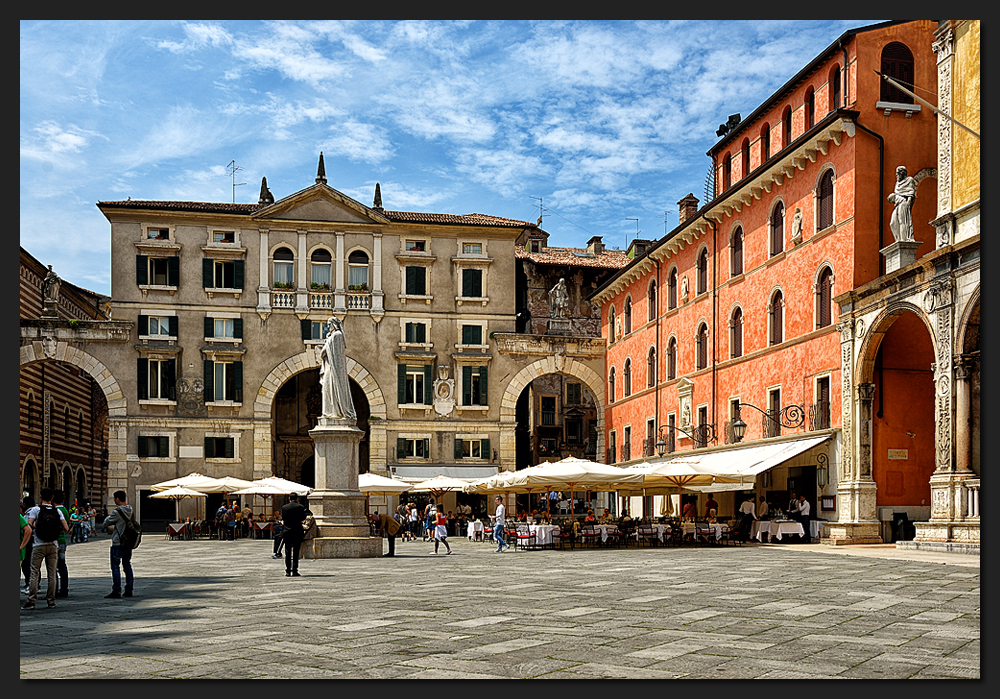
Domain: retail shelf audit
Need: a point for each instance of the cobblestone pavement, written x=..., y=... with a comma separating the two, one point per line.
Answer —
x=225, y=610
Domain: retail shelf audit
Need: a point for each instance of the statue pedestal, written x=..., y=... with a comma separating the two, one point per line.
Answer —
x=900, y=254
x=338, y=505
x=558, y=326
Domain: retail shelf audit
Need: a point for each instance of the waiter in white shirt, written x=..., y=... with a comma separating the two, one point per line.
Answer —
x=804, y=518
x=747, y=514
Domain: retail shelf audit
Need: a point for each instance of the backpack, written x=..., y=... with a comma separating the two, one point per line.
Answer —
x=48, y=524
x=131, y=533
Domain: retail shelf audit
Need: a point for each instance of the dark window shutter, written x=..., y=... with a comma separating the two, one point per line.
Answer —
x=472, y=282
x=238, y=382
x=173, y=271
x=209, y=447
x=306, y=325
x=458, y=449
x=230, y=448
x=141, y=269
x=209, y=326
x=143, y=447
x=209, y=377
x=421, y=332
x=467, y=385
x=777, y=229
x=239, y=274
x=487, y=454
x=207, y=269
x=825, y=300
x=428, y=385
x=826, y=200
x=172, y=323
x=400, y=448
x=238, y=328
x=143, y=325
x=410, y=332
x=164, y=444
x=401, y=384
x=170, y=369
x=427, y=448
x=483, y=386
x=142, y=377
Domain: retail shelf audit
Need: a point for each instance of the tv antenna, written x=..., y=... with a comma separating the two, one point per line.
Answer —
x=232, y=169
x=665, y=214
x=541, y=211
x=627, y=218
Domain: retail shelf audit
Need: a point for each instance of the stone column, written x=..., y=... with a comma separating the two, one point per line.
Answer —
x=964, y=367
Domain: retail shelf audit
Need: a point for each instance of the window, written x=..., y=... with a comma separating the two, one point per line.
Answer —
x=672, y=359
x=157, y=271
x=897, y=63
x=736, y=252
x=651, y=367
x=627, y=377
x=155, y=447
x=627, y=443
x=671, y=436
x=321, y=263
x=548, y=410
x=810, y=108
x=158, y=233
x=357, y=271
x=413, y=448
x=824, y=298
x=820, y=413
x=611, y=324
x=220, y=448
x=415, y=385
x=702, y=346
x=472, y=334
x=574, y=430
x=703, y=271
x=314, y=329
x=223, y=381
x=227, y=328
x=284, y=269
x=834, y=91
x=574, y=393
x=536, y=245
x=672, y=289
x=224, y=237
x=472, y=249
x=474, y=385
x=778, y=229
x=786, y=131
x=157, y=326
x=776, y=315
x=155, y=379
x=772, y=428
x=745, y=157
x=472, y=448
x=416, y=281
x=628, y=315
x=825, y=197
x=736, y=333
x=651, y=301
x=611, y=385
x=472, y=283
x=415, y=333
x=612, y=448
x=222, y=274
x=727, y=172
x=765, y=142
x=415, y=245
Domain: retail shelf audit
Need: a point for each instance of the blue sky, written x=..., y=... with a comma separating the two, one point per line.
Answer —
x=599, y=122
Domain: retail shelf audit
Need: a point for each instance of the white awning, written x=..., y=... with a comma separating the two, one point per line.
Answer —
x=751, y=461
x=415, y=474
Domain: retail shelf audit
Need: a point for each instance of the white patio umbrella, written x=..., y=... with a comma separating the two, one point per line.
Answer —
x=191, y=481
x=438, y=485
x=178, y=493
x=373, y=484
x=572, y=473
x=285, y=485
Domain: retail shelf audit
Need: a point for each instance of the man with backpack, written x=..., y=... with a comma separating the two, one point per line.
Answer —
x=58, y=497
x=46, y=523
x=124, y=538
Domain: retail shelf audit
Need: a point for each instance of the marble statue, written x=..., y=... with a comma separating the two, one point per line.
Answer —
x=558, y=299
x=50, y=285
x=902, y=196
x=797, y=226
x=336, y=389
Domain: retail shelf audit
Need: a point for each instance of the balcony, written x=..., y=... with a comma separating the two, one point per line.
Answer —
x=819, y=415
x=359, y=300
x=321, y=300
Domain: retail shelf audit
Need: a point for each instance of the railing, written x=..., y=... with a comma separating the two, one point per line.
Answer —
x=819, y=415
x=648, y=447
x=359, y=300
x=626, y=451
x=283, y=299
x=770, y=427
x=611, y=456
x=321, y=299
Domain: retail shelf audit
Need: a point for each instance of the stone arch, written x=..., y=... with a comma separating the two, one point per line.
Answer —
x=968, y=324
x=64, y=352
x=550, y=365
x=865, y=364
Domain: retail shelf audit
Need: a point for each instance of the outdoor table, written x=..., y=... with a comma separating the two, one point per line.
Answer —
x=474, y=530
x=176, y=529
x=260, y=527
x=777, y=529
x=660, y=529
x=606, y=529
x=543, y=533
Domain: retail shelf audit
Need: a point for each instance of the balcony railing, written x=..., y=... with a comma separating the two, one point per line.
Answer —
x=359, y=300
x=283, y=299
x=321, y=299
x=819, y=415
x=626, y=451
x=649, y=447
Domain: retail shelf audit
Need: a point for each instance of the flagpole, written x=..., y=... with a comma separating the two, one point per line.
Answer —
x=925, y=103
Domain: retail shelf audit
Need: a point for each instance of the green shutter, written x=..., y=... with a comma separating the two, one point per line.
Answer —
x=209, y=376
x=230, y=447
x=483, y=386
x=487, y=454
x=142, y=325
x=141, y=269
x=409, y=332
x=142, y=378
x=466, y=385
x=209, y=447
x=143, y=447
x=427, y=448
x=428, y=384
x=239, y=274
x=238, y=382
x=172, y=325
x=170, y=367
x=472, y=283
x=421, y=332
x=400, y=448
x=458, y=449
x=164, y=446
x=207, y=269
x=238, y=328
x=209, y=326
x=401, y=383
x=173, y=271
x=307, y=332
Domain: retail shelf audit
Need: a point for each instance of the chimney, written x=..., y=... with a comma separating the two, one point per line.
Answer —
x=686, y=208
x=595, y=246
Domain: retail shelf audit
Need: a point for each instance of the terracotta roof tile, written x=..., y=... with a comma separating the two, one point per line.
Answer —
x=578, y=257
x=205, y=206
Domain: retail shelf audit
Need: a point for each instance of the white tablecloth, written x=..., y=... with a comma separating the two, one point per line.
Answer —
x=605, y=529
x=776, y=529
x=659, y=529
x=475, y=530
x=543, y=533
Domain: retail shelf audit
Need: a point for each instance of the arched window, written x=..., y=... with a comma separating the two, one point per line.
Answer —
x=357, y=271
x=727, y=172
x=745, y=153
x=810, y=107
x=321, y=262
x=736, y=333
x=703, y=271
x=611, y=385
x=611, y=324
x=651, y=301
x=776, y=314
x=778, y=229
x=835, y=88
x=672, y=359
x=628, y=315
x=672, y=289
x=824, y=298
x=765, y=142
x=284, y=269
x=651, y=367
x=897, y=63
x=627, y=377
x=786, y=130
x=702, y=346
x=825, y=201
x=736, y=252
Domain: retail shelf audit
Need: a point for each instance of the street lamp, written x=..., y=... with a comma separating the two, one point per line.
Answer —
x=703, y=434
x=790, y=416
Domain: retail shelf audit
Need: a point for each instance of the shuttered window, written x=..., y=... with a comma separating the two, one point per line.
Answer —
x=826, y=200
x=736, y=250
x=897, y=63
x=416, y=281
x=824, y=315
x=778, y=229
x=736, y=334
x=776, y=311
x=475, y=389
x=703, y=271
x=702, y=346
x=472, y=283
x=672, y=359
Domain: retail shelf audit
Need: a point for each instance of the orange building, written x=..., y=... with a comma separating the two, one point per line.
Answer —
x=729, y=319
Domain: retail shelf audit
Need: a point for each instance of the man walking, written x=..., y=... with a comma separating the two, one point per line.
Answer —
x=293, y=515
x=46, y=521
x=499, y=522
x=63, y=591
x=121, y=556
x=805, y=517
x=389, y=526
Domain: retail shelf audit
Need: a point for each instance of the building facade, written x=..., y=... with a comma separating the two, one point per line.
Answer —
x=730, y=317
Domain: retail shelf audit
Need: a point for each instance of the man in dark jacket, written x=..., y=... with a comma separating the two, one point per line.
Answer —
x=292, y=516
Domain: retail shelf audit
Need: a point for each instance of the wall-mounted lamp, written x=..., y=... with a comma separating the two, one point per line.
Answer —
x=700, y=435
x=791, y=416
x=822, y=471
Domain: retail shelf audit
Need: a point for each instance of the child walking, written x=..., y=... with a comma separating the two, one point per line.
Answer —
x=441, y=532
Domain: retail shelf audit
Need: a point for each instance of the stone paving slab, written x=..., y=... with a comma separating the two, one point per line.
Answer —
x=225, y=610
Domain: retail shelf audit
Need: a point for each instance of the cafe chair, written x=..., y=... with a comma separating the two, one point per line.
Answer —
x=563, y=536
x=525, y=537
x=589, y=533
x=648, y=534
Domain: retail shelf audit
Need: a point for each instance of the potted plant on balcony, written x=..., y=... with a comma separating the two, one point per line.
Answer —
x=319, y=286
x=284, y=285
x=358, y=287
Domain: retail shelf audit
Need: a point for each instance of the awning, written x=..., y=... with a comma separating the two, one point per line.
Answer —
x=750, y=461
x=415, y=474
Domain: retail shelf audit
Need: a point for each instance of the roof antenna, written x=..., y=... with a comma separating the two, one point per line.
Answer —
x=233, y=168
x=627, y=218
x=541, y=212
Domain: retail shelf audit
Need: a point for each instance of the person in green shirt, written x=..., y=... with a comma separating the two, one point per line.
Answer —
x=25, y=535
x=62, y=573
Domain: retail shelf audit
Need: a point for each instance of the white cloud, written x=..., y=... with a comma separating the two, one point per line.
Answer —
x=51, y=142
x=359, y=142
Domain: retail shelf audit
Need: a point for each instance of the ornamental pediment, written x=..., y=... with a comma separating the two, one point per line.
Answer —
x=322, y=204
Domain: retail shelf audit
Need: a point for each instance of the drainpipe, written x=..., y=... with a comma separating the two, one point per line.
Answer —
x=656, y=386
x=881, y=184
x=715, y=305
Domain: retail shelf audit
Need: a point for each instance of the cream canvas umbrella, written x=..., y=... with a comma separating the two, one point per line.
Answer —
x=285, y=485
x=178, y=493
x=438, y=485
x=190, y=481
x=373, y=484
x=572, y=473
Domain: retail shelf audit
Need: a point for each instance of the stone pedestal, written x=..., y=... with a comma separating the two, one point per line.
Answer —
x=856, y=523
x=900, y=254
x=338, y=505
x=559, y=326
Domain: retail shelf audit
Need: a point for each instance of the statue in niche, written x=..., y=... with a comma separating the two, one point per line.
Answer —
x=902, y=197
x=797, y=226
x=558, y=299
x=684, y=288
x=337, y=401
